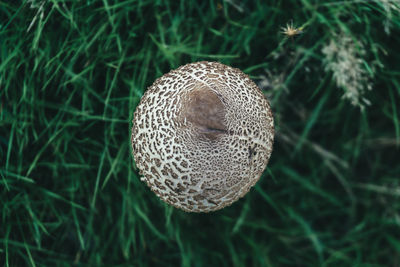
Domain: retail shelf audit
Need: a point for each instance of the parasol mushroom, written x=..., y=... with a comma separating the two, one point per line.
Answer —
x=202, y=136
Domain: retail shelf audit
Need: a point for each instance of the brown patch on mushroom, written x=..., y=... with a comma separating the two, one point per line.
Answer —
x=205, y=111
x=202, y=136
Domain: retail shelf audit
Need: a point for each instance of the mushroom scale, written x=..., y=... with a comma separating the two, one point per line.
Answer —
x=202, y=136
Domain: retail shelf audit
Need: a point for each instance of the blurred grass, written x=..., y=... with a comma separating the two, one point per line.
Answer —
x=72, y=73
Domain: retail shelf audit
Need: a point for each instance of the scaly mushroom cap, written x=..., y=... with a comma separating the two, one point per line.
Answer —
x=202, y=136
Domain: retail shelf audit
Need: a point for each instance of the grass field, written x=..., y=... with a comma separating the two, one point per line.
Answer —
x=72, y=73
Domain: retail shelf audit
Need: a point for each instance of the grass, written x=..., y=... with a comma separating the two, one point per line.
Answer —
x=72, y=73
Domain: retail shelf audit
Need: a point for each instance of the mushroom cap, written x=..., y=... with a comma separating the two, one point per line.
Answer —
x=202, y=136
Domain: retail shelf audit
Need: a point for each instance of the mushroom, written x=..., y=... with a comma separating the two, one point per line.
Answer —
x=202, y=136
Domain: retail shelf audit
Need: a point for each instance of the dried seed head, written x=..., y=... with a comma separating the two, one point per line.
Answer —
x=291, y=31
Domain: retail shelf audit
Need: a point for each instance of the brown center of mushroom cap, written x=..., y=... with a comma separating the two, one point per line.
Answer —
x=205, y=111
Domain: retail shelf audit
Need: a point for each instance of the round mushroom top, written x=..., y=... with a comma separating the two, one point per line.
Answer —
x=202, y=136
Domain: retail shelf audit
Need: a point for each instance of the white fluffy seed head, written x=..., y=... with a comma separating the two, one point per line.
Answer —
x=202, y=136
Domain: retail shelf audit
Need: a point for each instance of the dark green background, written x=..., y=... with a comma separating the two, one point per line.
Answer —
x=72, y=73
